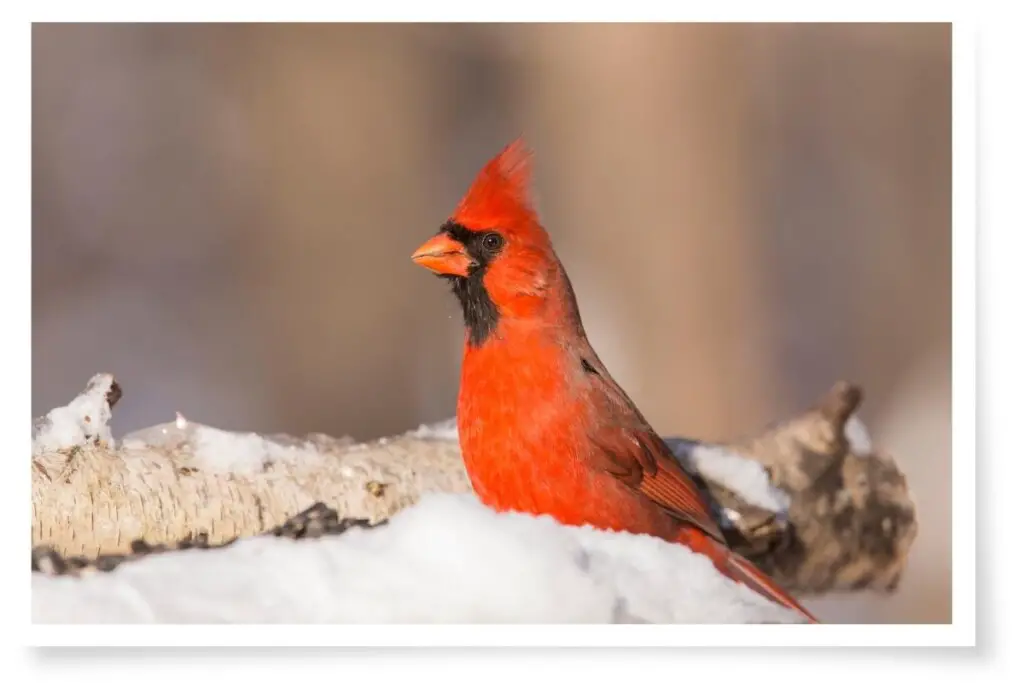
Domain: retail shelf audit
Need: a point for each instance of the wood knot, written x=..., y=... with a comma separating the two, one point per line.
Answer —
x=114, y=393
x=376, y=488
x=840, y=403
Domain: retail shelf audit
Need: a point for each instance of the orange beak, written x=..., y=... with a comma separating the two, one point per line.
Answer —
x=444, y=256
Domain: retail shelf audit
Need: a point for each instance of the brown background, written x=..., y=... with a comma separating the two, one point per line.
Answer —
x=223, y=217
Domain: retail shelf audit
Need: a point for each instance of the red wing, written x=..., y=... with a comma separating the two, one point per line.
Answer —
x=627, y=447
x=641, y=460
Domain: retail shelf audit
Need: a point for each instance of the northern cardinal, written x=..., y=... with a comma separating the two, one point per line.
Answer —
x=543, y=427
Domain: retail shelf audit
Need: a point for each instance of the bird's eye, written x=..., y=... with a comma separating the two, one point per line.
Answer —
x=493, y=241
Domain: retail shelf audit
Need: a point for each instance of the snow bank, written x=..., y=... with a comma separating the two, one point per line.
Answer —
x=447, y=559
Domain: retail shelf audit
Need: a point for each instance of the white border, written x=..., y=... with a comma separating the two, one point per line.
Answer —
x=544, y=636
x=964, y=321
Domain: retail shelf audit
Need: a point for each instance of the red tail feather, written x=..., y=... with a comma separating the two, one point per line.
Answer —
x=741, y=570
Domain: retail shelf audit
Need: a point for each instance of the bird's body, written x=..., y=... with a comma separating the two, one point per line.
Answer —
x=543, y=427
x=542, y=402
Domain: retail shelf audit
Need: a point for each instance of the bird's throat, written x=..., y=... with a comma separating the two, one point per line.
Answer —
x=479, y=312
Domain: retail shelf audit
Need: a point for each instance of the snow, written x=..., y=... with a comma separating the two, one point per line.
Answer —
x=226, y=451
x=447, y=559
x=220, y=450
x=83, y=421
x=856, y=433
x=745, y=477
x=167, y=435
x=447, y=430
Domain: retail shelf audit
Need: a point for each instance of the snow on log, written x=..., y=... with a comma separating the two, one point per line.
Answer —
x=811, y=501
x=448, y=559
x=83, y=421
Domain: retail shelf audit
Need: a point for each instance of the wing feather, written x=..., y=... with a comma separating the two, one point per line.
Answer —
x=628, y=448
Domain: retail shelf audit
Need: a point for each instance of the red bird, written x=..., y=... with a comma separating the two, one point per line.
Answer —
x=543, y=427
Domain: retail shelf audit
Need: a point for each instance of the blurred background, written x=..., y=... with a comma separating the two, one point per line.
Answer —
x=223, y=217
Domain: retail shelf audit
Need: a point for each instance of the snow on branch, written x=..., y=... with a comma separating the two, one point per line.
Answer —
x=810, y=501
x=83, y=421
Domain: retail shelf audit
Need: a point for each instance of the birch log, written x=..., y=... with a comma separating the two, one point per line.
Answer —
x=811, y=500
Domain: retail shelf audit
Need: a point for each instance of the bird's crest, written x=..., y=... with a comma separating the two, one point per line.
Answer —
x=501, y=192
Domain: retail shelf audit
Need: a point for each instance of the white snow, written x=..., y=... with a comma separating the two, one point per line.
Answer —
x=78, y=423
x=858, y=437
x=166, y=435
x=221, y=450
x=731, y=517
x=227, y=451
x=447, y=559
x=745, y=477
x=446, y=430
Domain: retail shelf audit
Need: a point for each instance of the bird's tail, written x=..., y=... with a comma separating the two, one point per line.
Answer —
x=742, y=570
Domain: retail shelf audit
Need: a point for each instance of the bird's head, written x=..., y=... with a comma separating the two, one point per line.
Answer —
x=493, y=250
